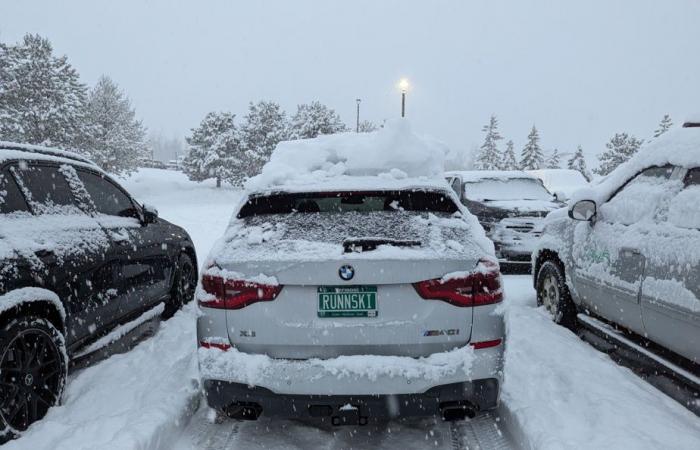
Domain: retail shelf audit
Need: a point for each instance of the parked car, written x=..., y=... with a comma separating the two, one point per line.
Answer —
x=510, y=205
x=628, y=249
x=78, y=257
x=375, y=299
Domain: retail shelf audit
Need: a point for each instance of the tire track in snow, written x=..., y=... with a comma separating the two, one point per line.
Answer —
x=486, y=431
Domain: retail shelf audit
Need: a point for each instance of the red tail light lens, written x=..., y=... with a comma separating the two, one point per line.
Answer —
x=482, y=287
x=236, y=294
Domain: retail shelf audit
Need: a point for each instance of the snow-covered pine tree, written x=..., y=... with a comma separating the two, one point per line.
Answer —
x=531, y=157
x=489, y=157
x=263, y=128
x=314, y=119
x=367, y=127
x=553, y=160
x=620, y=148
x=41, y=98
x=508, y=160
x=215, y=150
x=117, y=140
x=665, y=124
x=578, y=162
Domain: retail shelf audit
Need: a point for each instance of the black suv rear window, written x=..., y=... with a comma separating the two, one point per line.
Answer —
x=11, y=199
x=339, y=202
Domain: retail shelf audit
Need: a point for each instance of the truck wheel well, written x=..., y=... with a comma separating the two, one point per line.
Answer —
x=546, y=255
x=38, y=308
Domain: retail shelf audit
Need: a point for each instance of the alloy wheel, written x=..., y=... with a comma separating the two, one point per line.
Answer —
x=30, y=378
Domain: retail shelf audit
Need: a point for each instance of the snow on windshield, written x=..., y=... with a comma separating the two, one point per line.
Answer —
x=497, y=189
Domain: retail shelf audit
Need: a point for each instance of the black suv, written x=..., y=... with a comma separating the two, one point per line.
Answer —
x=78, y=258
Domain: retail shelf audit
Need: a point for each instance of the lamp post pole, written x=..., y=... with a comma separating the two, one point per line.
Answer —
x=357, y=129
x=403, y=103
x=403, y=85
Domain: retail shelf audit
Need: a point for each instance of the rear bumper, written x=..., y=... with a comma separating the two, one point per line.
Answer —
x=352, y=375
x=480, y=394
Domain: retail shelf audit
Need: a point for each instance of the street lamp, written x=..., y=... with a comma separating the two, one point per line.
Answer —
x=357, y=130
x=403, y=85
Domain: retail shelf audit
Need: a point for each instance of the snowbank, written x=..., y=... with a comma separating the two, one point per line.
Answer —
x=563, y=393
x=135, y=400
x=394, y=151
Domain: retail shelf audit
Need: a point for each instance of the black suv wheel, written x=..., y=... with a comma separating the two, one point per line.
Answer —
x=184, y=284
x=33, y=368
x=553, y=293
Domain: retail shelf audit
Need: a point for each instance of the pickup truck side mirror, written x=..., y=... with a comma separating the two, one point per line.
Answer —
x=584, y=210
x=150, y=214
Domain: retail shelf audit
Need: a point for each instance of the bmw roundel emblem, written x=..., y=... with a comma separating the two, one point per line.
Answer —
x=346, y=272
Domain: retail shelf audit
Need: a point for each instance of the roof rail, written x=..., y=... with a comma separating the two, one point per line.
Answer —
x=691, y=125
x=44, y=151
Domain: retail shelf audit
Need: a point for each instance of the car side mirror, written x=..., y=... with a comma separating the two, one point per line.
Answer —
x=150, y=214
x=584, y=210
x=560, y=196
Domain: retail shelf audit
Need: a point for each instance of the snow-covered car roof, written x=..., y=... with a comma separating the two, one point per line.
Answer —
x=679, y=147
x=13, y=151
x=478, y=175
x=393, y=157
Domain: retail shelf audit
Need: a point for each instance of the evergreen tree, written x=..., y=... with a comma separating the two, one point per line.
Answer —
x=367, y=127
x=664, y=125
x=553, y=160
x=116, y=138
x=578, y=162
x=489, y=157
x=620, y=148
x=41, y=98
x=508, y=161
x=532, y=158
x=215, y=150
x=314, y=119
x=264, y=127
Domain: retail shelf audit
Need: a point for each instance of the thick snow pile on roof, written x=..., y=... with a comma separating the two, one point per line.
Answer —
x=394, y=152
x=680, y=147
x=567, y=181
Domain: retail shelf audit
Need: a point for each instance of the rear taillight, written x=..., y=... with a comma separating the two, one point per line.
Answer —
x=235, y=294
x=482, y=287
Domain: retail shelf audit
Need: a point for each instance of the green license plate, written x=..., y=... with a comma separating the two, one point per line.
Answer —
x=347, y=301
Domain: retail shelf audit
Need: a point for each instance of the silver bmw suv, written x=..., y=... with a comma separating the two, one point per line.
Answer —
x=344, y=303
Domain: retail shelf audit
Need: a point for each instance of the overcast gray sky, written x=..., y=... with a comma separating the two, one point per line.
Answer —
x=580, y=71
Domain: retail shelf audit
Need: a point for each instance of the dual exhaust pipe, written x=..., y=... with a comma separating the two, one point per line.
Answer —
x=449, y=411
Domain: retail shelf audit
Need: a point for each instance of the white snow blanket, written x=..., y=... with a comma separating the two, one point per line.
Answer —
x=394, y=151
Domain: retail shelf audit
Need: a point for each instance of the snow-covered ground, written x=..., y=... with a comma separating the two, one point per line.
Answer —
x=559, y=392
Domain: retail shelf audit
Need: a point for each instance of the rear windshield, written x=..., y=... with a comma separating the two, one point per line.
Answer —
x=347, y=202
x=513, y=189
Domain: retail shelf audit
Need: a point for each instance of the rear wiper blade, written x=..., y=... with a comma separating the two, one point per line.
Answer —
x=369, y=244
